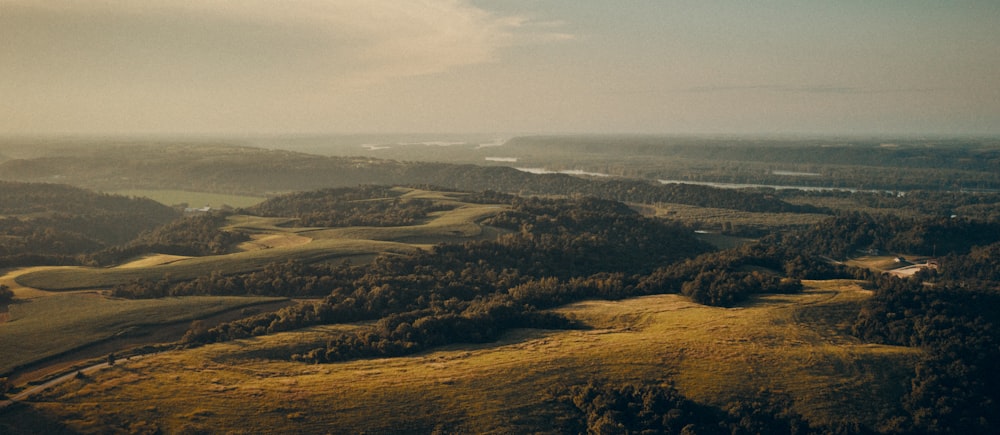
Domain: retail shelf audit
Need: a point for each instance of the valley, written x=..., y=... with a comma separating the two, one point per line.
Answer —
x=500, y=302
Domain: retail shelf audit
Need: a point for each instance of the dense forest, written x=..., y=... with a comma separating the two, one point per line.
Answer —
x=852, y=233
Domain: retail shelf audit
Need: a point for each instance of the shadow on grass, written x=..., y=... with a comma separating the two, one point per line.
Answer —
x=21, y=418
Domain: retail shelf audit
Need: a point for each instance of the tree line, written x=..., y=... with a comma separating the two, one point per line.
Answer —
x=368, y=205
x=50, y=224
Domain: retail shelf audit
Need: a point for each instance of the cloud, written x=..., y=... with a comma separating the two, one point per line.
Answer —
x=342, y=43
x=812, y=89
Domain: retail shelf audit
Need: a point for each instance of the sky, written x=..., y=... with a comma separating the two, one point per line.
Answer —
x=909, y=67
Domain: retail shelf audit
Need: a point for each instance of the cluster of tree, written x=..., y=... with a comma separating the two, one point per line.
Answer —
x=847, y=234
x=6, y=294
x=477, y=321
x=722, y=288
x=288, y=279
x=979, y=267
x=37, y=199
x=342, y=207
x=54, y=224
x=727, y=277
x=197, y=235
x=955, y=387
x=661, y=409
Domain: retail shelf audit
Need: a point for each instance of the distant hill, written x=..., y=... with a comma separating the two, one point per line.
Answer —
x=53, y=219
x=255, y=171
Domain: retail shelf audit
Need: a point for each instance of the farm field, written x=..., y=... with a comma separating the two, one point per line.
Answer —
x=792, y=345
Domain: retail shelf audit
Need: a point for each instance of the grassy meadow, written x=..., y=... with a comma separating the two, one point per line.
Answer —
x=794, y=346
x=43, y=327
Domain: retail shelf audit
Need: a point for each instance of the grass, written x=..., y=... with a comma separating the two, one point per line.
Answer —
x=78, y=278
x=193, y=199
x=356, y=244
x=792, y=345
x=46, y=326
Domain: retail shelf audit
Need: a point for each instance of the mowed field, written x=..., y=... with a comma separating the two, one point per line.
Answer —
x=794, y=346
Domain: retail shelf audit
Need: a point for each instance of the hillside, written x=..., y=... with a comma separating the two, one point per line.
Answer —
x=409, y=304
x=258, y=172
x=58, y=221
x=520, y=384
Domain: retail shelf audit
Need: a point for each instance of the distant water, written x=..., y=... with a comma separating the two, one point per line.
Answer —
x=767, y=186
x=796, y=174
x=567, y=172
x=339, y=144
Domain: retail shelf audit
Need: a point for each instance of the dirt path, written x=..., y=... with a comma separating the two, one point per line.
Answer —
x=28, y=392
x=163, y=334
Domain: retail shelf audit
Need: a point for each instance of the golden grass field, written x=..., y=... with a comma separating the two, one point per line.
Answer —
x=793, y=345
x=46, y=326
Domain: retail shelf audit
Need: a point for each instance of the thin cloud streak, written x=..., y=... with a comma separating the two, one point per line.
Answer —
x=816, y=89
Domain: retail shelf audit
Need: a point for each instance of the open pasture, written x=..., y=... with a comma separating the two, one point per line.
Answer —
x=713, y=355
x=79, y=278
x=43, y=327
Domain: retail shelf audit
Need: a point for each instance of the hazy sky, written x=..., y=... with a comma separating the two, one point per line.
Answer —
x=499, y=66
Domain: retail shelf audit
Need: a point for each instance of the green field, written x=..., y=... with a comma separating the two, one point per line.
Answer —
x=46, y=326
x=78, y=278
x=353, y=244
x=193, y=199
x=791, y=345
